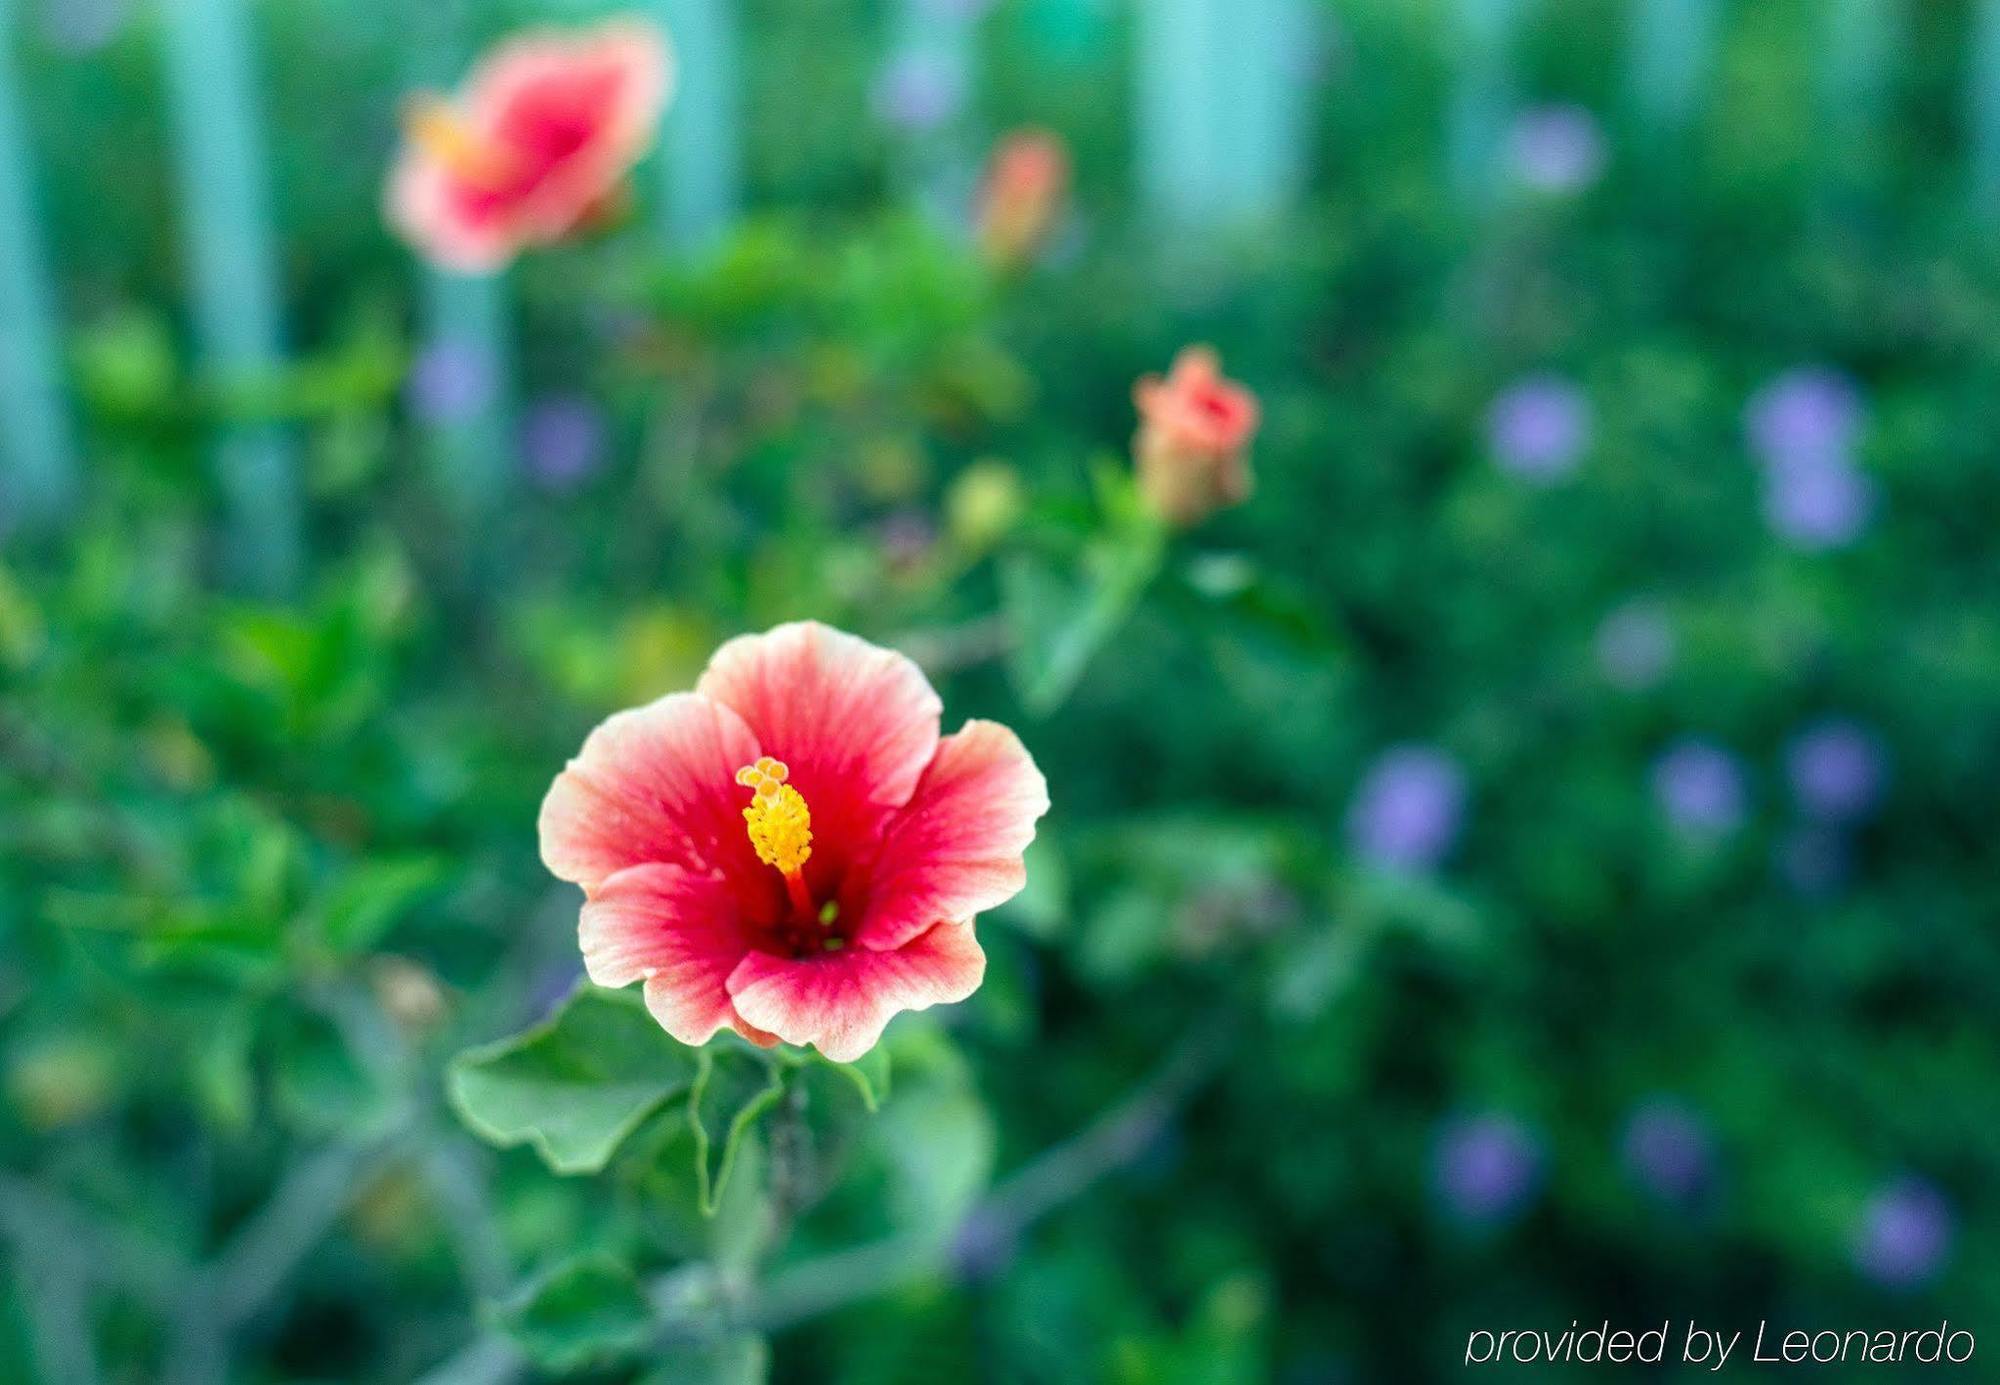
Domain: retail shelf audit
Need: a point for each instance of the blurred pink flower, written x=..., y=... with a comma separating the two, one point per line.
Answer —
x=843, y=893
x=536, y=143
x=1022, y=195
x=1194, y=437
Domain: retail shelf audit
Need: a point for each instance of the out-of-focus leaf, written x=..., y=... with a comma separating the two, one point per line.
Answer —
x=584, y=1312
x=1062, y=612
x=576, y=1085
x=939, y=1138
x=319, y=1081
x=869, y=1073
x=732, y=1088
x=740, y=1360
x=362, y=905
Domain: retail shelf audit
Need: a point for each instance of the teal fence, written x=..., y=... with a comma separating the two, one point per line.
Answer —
x=1222, y=103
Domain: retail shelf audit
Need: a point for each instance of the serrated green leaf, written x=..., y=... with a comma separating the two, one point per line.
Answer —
x=732, y=1088
x=576, y=1085
x=583, y=1312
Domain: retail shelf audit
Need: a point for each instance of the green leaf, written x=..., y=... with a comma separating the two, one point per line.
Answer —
x=576, y=1085
x=739, y=1360
x=869, y=1074
x=360, y=907
x=732, y=1088
x=583, y=1312
x=320, y=1082
x=1061, y=614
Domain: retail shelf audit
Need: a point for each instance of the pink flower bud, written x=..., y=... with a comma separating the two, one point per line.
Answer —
x=1194, y=436
x=1022, y=195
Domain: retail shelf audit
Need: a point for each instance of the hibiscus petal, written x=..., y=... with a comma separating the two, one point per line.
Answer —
x=420, y=204
x=680, y=931
x=854, y=723
x=841, y=1001
x=656, y=783
x=955, y=848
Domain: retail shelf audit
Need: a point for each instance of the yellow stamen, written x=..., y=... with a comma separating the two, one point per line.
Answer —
x=780, y=826
x=435, y=127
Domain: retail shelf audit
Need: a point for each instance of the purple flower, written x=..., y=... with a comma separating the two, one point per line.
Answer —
x=1837, y=770
x=1635, y=646
x=1487, y=1168
x=1556, y=149
x=450, y=381
x=1538, y=427
x=1407, y=812
x=1817, y=503
x=1814, y=861
x=1668, y=1150
x=906, y=538
x=562, y=441
x=1700, y=787
x=1904, y=1235
x=82, y=25
x=918, y=91
x=1807, y=413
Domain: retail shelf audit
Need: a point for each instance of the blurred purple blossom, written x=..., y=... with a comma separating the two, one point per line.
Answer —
x=450, y=381
x=1487, y=1168
x=1814, y=861
x=1538, y=427
x=1700, y=787
x=1408, y=809
x=1635, y=646
x=1817, y=503
x=1808, y=413
x=82, y=25
x=562, y=441
x=918, y=91
x=906, y=538
x=1837, y=768
x=1904, y=1235
x=1668, y=1150
x=1556, y=149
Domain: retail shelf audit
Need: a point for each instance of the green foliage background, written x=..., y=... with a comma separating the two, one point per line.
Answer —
x=267, y=866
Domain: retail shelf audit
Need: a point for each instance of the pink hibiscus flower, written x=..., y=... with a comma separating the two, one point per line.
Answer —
x=1194, y=438
x=537, y=143
x=791, y=850
x=1022, y=195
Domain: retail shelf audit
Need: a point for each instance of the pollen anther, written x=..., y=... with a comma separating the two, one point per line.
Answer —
x=779, y=823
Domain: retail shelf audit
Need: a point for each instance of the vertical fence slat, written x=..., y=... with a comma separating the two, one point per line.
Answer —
x=232, y=270
x=1264, y=106
x=1985, y=103
x=938, y=41
x=1854, y=83
x=466, y=323
x=472, y=446
x=37, y=458
x=702, y=163
x=1177, y=146
x=1672, y=45
x=1220, y=107
x=1483, y=97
